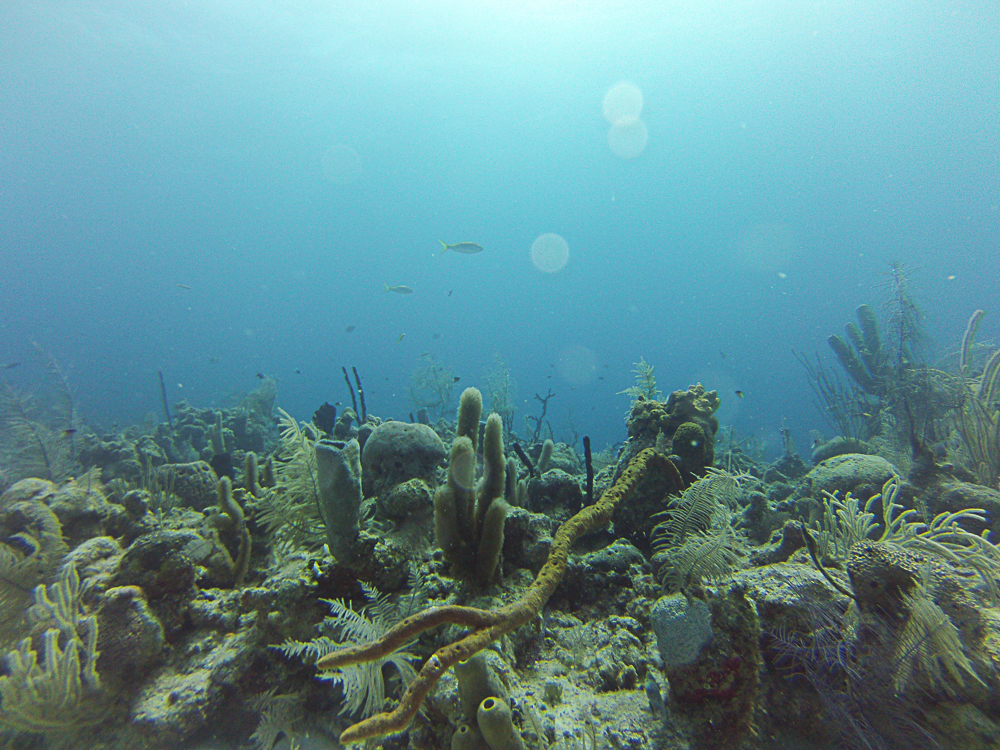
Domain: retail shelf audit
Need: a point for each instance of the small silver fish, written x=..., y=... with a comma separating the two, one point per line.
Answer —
x=399, y=289
x=467, y=248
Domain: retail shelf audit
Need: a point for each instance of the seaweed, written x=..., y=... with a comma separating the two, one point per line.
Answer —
x=432, y=386
x=977, y=417
x=645, y=384
x=291, y=508
x=363, y=685
x=501, y=388
x=694, y=539
x=34, y=441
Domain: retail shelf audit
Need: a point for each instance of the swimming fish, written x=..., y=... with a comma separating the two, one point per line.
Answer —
x=400, y=289
x=455, y=379
x=436, y=336
x=183, y=286
x=11, y=365
x=349, y=328
x=466, y=248
x=400, y=337
x=739, y=393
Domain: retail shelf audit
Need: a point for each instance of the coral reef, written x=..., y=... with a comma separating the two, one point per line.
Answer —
x=195, y=579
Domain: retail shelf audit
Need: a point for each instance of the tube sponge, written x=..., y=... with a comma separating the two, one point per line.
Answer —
x=469, y=519
x=232, y=509
x=490, y=541
x=546, y=457
x=338, y=474
x=497, y=727
x=470, y=409
x=476, y=683
x=467, y=737
x=491, y=486
x=250, y=474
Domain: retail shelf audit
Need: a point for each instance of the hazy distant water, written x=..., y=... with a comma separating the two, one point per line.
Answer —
x=286, y=160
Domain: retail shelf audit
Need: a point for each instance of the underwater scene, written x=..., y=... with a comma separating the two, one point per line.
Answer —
x=499, y=375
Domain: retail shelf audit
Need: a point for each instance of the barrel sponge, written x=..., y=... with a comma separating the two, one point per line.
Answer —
x=497, y=726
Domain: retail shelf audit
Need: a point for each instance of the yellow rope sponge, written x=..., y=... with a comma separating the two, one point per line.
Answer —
x=488, y=625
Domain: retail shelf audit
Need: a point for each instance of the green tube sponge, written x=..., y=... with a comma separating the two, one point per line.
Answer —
x=476, y=683
x=522, y=493
x=250, y=474
x=470, y=409
x=338, y=474
x=872, y=337
x=232, y=509
x=490, y=542
x=268, y=479
x=850, y=362
x=497, y=726
x=494, y=467
x=467, y=737
x=510, y=482
x=446, y=534
x=546, y=457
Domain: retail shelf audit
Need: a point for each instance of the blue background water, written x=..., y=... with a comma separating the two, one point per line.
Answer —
x=794, y=148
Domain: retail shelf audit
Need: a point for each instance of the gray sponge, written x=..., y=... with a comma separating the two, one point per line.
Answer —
x=682, y=627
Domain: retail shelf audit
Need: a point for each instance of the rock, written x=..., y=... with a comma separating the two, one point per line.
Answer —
x=182, y=698
x=96, y=561
x=194, y=483
x=84, y=512
x=411, y=497
x=554, y=490
x=41, y=490
x=163, y=564
x=861, y=475
x=130, y=637
x=398, y=451
x=840, y=446
x=527, y=538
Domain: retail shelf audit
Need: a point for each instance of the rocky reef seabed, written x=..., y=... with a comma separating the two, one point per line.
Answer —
x=198, y=585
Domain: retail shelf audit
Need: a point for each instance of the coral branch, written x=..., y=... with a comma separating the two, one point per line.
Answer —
x=488, y=624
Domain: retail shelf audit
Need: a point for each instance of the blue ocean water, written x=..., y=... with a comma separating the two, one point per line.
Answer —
x=216, y=189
